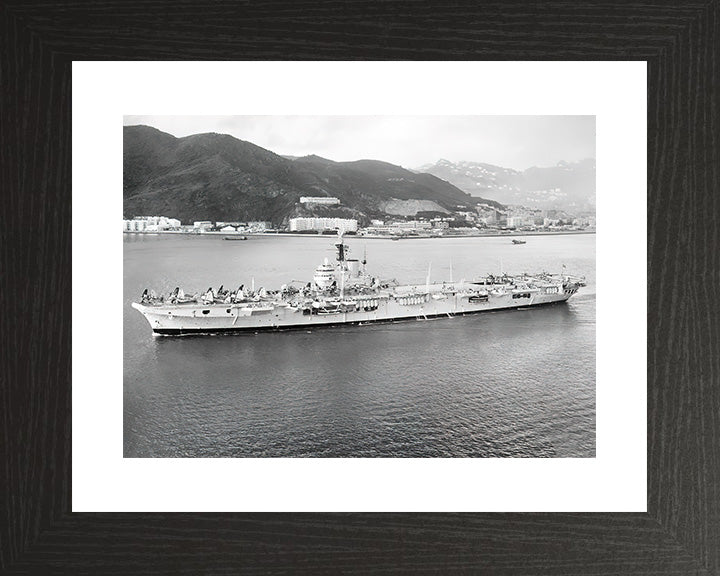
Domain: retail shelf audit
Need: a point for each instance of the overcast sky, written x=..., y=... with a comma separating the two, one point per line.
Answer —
x=517, y=142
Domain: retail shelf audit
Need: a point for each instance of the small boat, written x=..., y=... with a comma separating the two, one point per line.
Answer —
x=235, y=238
x=516, y=241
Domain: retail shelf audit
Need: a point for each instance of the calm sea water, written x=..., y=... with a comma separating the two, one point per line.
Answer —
x=501, y=384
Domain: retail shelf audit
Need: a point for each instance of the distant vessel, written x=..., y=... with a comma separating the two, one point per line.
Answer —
x=343, y=293
x=516, y=241
x=235, y=238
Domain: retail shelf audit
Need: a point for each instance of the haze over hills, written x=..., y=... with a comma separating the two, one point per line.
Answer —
x=219, y=177
x=568, y=186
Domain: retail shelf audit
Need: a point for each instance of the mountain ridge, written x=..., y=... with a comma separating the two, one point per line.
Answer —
x=213, y=176
x=566, y=186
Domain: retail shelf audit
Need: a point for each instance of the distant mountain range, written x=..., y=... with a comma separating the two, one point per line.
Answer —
x=218, y=177
x=568, y=186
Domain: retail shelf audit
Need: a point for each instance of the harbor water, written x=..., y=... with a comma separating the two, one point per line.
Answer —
x=514, y=383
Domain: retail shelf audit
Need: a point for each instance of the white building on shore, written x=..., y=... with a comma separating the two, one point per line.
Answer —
x=150, y=224
x=202, y=225
x=321, y=224
x=398, y=228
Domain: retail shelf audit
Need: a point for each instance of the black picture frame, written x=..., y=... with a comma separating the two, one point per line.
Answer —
x=680, y=533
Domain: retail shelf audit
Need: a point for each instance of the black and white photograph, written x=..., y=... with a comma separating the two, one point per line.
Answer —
x=441, y=159
x=359, y=286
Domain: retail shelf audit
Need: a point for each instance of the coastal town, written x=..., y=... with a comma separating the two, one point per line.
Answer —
x=480, y=220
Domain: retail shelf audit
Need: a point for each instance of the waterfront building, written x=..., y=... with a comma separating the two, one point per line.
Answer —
x=321, y=224
x=134, y=225
x=584, y=222
x=259, y=226
x=398, y=228
x=150, y=224
x=413, y=225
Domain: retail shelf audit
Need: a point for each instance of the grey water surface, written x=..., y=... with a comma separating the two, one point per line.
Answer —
x=517, y=383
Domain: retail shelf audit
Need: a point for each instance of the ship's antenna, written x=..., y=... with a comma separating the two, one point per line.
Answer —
x=427, y=280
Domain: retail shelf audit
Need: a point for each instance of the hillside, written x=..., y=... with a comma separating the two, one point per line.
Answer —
x=218, y=177
x=566, y=186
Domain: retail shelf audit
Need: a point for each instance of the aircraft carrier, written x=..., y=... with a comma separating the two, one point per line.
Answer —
x=344, y=293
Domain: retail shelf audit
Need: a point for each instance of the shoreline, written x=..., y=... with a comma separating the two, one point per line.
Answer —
x=368, y=236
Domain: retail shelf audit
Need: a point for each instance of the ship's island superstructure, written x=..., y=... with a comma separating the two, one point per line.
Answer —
x=343, y=293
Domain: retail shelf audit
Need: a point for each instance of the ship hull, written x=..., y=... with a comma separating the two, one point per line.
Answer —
x=410, y=304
